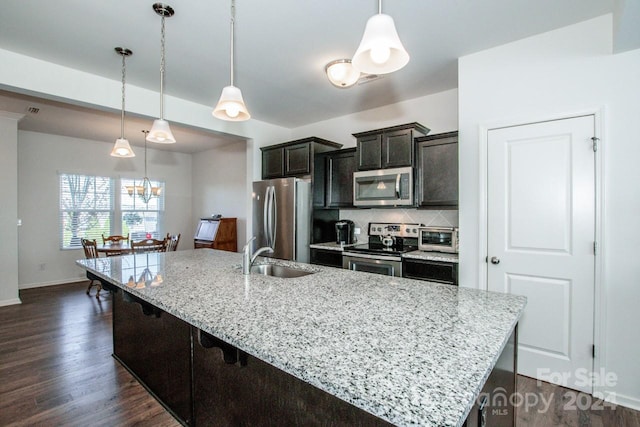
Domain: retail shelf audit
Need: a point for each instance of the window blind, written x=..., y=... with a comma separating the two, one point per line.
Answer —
x=86, y=209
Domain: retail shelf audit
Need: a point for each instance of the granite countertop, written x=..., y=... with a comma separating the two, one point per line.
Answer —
x=332, y=246
x=432, y=256
x=429, y=256
x=409, y=352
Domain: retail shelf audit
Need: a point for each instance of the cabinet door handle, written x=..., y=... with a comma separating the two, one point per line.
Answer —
x=482, y=412
x=230, y=354
x=147, y=309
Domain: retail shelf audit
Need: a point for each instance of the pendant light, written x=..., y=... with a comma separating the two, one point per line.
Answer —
x=160, y=131
x=122, y=148
x=145, y=191
x=380, y=51
x=231, y=105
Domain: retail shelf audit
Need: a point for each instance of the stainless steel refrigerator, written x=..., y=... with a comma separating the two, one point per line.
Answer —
x=282, y=217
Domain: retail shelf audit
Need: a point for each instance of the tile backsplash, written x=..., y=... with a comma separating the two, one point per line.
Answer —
x=362, y=218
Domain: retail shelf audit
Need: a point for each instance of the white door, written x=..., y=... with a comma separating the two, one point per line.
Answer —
x=541, y=233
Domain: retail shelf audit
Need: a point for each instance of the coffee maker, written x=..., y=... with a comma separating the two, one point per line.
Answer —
x=345, y=232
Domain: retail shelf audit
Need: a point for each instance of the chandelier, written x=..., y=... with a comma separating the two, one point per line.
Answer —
x=145, y=191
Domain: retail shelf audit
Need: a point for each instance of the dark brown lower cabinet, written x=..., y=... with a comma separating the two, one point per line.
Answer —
x=204, y=381
x=156, y=348
x=326, y=257
x=232, y=388
x=494, y=406
x=432, y=271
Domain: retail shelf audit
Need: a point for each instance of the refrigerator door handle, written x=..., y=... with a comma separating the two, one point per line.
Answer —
x=265, y=215
x=274, y=219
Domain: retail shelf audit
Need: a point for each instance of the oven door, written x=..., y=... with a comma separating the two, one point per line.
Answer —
x=379, y=264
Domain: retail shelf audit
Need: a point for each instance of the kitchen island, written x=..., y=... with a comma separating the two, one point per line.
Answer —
x=404, y=351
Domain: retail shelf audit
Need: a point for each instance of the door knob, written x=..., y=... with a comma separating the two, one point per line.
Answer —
x=495, y=260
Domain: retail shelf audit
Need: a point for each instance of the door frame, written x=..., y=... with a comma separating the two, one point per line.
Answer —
x=599, y=309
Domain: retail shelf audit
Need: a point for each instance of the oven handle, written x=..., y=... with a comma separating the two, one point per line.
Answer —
x=369, y=256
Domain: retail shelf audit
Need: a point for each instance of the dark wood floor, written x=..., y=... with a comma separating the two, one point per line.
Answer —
x=56, y=369
x=56, y=366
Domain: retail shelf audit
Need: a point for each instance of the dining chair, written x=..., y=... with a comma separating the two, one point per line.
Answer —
x=172, y=242
x=90, y=248
x=149, y=245
x=115, y=239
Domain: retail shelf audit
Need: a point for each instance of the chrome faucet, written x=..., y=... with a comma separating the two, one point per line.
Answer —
x=248, y=259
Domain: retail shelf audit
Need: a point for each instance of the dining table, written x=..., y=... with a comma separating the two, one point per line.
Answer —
x=115, y=248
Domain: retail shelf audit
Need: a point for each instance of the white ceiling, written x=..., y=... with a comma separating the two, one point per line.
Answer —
x=281, y=48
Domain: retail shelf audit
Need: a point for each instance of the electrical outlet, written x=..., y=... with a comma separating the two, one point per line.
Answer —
x=356, y=230
x=19, y=222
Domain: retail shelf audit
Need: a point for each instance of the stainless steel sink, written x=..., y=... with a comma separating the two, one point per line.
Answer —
x=278, y=271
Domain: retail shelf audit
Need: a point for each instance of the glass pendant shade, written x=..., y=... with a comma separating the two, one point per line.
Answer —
x=231, y=106
x=380, y=51
x=161, y=132
x=341, y=73
x=122, y=149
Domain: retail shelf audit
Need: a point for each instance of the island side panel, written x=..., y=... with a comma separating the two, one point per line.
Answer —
x=494, y=406
x=232, y=388
x=156, y=348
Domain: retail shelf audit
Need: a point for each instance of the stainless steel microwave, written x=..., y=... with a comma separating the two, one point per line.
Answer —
x=383, y=187
x=438, y=239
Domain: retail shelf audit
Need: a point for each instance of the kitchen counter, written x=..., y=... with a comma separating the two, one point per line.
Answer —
x=424, y=255
x=432, y=256
x=408, y=352
x=332, y=246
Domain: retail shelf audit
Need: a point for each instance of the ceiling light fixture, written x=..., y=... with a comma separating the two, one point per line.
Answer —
x=380, y=51
x=341, y=73
x=160, y=131
x=122, y=148
x=231, y=105
x=145, y=191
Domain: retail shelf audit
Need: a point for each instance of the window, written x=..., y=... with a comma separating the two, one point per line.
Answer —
x=86, y=208
x=141, y=220
x=90, y=206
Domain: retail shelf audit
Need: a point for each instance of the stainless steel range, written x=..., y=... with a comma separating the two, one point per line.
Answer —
x=383, y=253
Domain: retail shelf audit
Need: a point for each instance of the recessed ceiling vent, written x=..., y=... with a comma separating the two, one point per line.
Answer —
x=33, y=110
x=366, y=78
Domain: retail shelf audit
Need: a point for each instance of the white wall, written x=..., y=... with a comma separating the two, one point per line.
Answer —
x=438, y=112
x=554, y=74
x=9, y=211
x=41, y=157
x=220, y=185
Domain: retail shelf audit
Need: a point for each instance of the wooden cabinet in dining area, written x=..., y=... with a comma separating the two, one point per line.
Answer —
x=217, y=233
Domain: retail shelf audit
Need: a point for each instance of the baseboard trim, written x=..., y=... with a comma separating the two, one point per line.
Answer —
x=52, y=283
x=12, y=301
x=622, y=400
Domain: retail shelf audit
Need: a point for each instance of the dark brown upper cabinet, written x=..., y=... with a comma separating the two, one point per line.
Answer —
x=333, y=179
x=390, y=147
x=437, y=171
x=294, y=158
